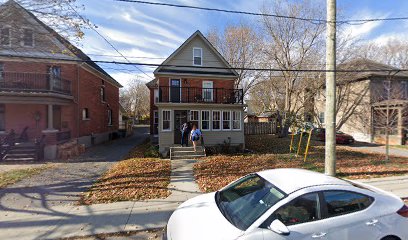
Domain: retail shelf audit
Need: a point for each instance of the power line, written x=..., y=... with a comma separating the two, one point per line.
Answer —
x=312, y=20
x=107, y=41
x=208, y=67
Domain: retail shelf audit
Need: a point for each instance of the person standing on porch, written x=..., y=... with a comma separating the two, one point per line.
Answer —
x=185, y=131
x=195, y=136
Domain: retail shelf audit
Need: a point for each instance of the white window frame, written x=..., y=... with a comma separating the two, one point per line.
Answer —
x=230, y=127
x=209, y=90
x=236, y=120
x=9, y=33
x=110, y=117
x=23, y=37
x=171, y=86
x=156, y=119
x=169, y=120
x=156, y=95
x=85, y=114
x=191, y=116
x=201, y=56
x=202, y=120
x=219, y=120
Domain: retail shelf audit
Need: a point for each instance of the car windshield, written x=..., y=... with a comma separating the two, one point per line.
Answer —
x=245, y=200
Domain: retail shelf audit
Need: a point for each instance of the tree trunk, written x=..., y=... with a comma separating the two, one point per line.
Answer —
x=387, y=146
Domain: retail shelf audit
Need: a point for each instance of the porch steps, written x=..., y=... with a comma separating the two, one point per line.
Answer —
x=177, y=153
x=17, y=153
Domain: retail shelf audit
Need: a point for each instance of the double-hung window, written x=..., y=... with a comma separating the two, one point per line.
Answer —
x=195, y=117
x=216, y=120
x=1, y=74
x=155, y=122
x=85, y=114
x=5, y=37
x=28, y=37
x=166, y=120
x=197, y=56
x=226, y=120
x=205, y=120
x=236, y=120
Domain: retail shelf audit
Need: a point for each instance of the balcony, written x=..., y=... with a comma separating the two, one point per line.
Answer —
x=200, y=95
x=34, y=82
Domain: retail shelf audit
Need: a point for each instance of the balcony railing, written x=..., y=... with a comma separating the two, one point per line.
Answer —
x=200, y=95
x=34, y=82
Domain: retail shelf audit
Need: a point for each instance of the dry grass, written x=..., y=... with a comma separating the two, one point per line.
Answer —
x=13, y=176
x=215, y=172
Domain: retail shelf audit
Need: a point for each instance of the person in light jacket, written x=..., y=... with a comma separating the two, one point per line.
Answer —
x=195, y=136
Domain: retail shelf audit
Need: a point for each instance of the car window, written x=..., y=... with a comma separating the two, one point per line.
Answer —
x=300, y=210
x=343, y=202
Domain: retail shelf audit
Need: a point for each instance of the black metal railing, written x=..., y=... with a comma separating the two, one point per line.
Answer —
x=63, y=136
x=200, y=95
x=36, y=82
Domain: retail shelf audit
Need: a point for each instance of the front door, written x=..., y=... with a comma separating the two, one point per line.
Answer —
x=208, y=91
x=180, y=117
x=175, y=90
x=57, y=117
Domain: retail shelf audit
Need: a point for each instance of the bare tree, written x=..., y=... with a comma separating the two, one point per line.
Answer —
x=241, y=46
x=61, y=15
x=393, y=52
x=390, y=110
x=292, y=45
x=135, y=98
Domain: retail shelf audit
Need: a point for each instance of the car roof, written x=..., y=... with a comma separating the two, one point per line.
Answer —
x=290, y=180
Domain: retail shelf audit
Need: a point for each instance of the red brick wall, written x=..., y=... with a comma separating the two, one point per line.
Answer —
x=90, y=97
x=86, y=94
x=152, y=109
x=19, y=116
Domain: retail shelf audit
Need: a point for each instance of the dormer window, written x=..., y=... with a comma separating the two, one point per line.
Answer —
x=28, y=37
x=197, y=56
x=5, y=36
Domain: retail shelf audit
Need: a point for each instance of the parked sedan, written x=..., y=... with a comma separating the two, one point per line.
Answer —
x=285, y=204
x=341, y=137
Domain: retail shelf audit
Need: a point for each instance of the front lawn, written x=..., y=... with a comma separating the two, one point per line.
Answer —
x=135, y=178
x=214, y=172
x=13, y=176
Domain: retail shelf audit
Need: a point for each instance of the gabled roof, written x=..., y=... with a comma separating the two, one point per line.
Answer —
x=372, y=69
x=76, y=51
x=152, y=84
x=197, y=69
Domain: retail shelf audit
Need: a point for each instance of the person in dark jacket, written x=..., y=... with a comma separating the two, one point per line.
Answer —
x=185, y=131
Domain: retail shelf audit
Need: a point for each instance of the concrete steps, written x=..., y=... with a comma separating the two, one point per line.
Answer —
x=177, y=153
x=20, y=153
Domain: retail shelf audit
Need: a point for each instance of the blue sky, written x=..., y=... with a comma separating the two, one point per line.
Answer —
x=150, y=33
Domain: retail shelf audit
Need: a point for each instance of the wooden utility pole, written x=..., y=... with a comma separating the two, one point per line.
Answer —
x=330, y=118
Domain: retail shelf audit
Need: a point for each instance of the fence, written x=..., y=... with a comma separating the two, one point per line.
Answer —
x=260, y=128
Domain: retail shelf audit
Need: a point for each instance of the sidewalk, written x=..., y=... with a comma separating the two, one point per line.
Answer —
x=397, y=185
x=68, y=221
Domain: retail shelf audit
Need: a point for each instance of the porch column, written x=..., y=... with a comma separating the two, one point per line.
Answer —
x=50, y=117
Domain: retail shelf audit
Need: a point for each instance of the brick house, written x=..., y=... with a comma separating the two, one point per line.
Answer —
x=196, y=84
x=363, y=96
x=49, y=89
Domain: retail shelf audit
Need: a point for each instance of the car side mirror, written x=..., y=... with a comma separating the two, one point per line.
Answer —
x=278, y=227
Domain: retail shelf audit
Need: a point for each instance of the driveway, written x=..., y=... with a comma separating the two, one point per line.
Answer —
x=63, y=184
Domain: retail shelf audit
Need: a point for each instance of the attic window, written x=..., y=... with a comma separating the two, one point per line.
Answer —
x=28, y=37
x=5, y=36
x=197, y=56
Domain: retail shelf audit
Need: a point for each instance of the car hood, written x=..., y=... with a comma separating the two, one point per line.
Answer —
x=200, y=218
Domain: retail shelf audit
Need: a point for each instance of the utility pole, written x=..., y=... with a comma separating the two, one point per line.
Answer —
x=330, y=113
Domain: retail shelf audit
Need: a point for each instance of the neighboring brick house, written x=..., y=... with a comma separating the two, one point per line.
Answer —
x=49, y=87
x=362, y=94
x=196, y=84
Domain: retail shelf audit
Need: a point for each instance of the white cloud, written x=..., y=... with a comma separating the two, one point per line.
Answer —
x=365, y=29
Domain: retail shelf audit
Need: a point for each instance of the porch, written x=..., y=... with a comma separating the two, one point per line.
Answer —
x=32, y=131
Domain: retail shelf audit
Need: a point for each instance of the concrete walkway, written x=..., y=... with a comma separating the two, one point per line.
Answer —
x=68, y=221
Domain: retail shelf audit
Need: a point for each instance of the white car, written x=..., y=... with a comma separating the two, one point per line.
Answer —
x=293, y=204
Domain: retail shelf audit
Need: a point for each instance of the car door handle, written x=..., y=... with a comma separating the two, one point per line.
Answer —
x=319, y=235
x=372, y=222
